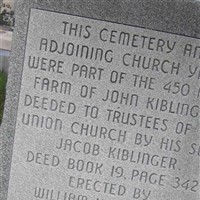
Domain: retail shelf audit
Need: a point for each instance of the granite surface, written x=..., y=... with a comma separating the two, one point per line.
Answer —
x=179, y=17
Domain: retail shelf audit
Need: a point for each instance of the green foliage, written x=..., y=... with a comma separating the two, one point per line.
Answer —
x=3, y=80
x=2, y=21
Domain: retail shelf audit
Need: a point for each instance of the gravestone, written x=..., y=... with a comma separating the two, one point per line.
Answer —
x=103, y=102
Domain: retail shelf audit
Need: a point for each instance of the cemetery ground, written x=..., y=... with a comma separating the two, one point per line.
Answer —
x=3, y=80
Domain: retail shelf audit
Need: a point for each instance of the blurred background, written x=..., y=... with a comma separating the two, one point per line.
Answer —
x=7, y=22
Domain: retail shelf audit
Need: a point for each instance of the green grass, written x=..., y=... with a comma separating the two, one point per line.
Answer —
x=3, y=80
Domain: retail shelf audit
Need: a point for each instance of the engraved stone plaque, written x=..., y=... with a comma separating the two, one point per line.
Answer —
x=106, y=111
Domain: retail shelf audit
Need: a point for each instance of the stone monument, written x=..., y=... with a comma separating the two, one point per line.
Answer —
x=103, y=102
